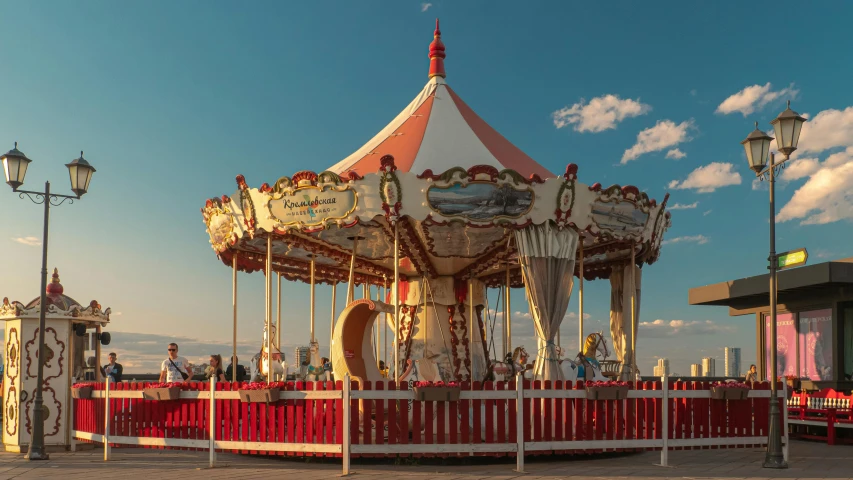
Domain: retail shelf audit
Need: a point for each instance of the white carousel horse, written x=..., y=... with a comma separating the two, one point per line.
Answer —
x=315, y=371
x=506, y=371
x=260, y=364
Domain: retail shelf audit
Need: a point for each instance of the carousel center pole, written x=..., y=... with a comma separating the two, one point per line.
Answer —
x=268, y=289
x=580, y=298
x=396, y=303
x=312, y=298
x=234, y=304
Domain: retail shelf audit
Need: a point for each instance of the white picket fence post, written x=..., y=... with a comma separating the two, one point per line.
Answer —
x=664, y=453
x=107, y=451
x=345, y=454
x=785, y=418
x=213, y=426
x=519, y=422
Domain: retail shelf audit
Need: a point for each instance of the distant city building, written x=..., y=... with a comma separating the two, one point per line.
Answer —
x=662, y=369
x=732, y=361
x=695, y=370
x=300, y=356
x=709, y=367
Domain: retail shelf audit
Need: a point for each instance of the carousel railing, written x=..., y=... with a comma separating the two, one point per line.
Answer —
x=812, y=412
x=343, y=419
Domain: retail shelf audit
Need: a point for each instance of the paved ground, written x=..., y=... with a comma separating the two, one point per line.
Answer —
x=808, y=460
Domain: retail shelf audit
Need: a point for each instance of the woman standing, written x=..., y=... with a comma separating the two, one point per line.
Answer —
x=214, y=370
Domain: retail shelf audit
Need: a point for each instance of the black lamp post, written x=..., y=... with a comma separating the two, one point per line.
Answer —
x=15, y=165
x=757, y=145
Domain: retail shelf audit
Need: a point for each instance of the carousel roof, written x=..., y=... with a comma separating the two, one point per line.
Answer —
x=439, y=131
x=455, y=189
x=58, y=305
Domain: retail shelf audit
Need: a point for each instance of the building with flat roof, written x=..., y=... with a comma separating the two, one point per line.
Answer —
x=814, y=322
x=709, y=367
x=732, y=357
x=695, y=370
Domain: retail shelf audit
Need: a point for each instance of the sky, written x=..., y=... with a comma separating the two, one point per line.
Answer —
x=171, y=100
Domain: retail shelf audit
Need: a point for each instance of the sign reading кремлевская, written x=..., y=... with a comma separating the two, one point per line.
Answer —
x=312, y=206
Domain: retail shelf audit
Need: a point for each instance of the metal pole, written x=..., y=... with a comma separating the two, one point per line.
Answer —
x=504, y=322
x=378, y=339
x=580, y=299
x=36, y=450
x=351, y=281
x=471, y=329
x=334, y=303
x=396, y=303
x=268, y=289
x=774, y=457
x=312, y=298
x=278, y=314
x=664, y=453
x=633, y=311
x=508, y=312
x=519, y=422
x=234, y=303
x=385, y=323
x=345, y=441
x=107, y=420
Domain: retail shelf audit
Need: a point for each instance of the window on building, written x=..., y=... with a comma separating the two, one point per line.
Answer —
x=815, y=335
x=848, y=342
x=786, y=345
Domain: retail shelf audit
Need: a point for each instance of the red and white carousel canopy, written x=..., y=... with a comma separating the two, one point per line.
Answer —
x=454, y=187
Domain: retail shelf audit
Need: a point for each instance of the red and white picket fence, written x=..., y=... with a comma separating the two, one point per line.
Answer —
x=326, y=419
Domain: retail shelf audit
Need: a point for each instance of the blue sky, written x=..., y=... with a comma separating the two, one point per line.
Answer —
x=170, y=100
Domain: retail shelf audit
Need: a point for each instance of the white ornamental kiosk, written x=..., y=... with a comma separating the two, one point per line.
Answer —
x=65, y=352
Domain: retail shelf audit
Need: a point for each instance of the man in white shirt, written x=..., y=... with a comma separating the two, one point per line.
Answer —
x=174, y=367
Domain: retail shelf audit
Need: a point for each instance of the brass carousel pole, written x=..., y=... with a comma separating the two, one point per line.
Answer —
x=471, y=329
x=278, y=315
x=351, y=284
x=376, y=346
x=268, y=289
x=633, y=310
x=505, y=316
x=234, y=303
x=580, y=298
x=508, y=312
x=385, y=323
x=312, y=298
x=396, y=303
x=332, y=322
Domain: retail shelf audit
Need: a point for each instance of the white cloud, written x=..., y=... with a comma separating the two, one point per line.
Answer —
x=705, y=214
x=827, y=196
x=801, y=168
x=698, y=239
x=574, y=315
x=663, y=135
x=754, y=98
x=425, y=7
x=601, y=113
x=675, y=154
x=828, y=129
x=709, y=178
x=28, y=241
x=664, y=328
x=684, y=206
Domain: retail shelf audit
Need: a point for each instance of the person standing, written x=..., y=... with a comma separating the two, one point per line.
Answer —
x=113, y=369
x=215, y=369
x=752, y=374
x=174, y=368
x=241, y=371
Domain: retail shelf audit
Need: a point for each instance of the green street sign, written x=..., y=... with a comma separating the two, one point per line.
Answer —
x=794, y=258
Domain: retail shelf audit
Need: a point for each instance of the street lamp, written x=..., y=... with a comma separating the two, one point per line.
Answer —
x=757, y=145
x=15, y=165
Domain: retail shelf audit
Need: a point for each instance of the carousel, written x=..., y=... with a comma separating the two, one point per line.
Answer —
x=424, y=219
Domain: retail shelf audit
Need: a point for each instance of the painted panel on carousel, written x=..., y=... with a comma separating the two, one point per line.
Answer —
x=619, y=218
x=480, y=201
x=312, y=206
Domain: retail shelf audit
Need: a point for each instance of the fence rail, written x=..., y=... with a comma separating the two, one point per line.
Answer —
x=343, y=419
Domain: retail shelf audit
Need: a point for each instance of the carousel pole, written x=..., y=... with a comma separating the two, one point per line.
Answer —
x=385, y=323
x=633, y=310
x=471, y=329
x=269, y=307
x=508, y=313
x=332, y=323
x=278, y=315
x=580, y=299
x=234, y=303
x=377, y=344
x=396, y=302
x=351, y=281
x=312, y=298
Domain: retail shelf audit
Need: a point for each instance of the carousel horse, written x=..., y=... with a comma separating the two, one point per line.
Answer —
x=588, y=366
x=259, y=361
x=505, y=371
x=315, y=371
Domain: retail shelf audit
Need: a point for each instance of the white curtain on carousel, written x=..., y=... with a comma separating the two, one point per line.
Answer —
x=547, y=258
x=620, y=314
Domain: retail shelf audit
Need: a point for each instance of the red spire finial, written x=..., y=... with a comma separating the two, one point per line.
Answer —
x=436, y=55
x=54, y=287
